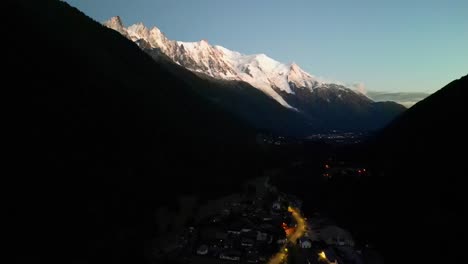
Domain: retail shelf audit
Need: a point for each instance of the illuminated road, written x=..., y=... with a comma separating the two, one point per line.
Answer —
x=299, y=231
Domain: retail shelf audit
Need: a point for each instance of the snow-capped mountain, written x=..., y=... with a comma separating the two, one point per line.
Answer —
x=294, y=94
x=259, y=70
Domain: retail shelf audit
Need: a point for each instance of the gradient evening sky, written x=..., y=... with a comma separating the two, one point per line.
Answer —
x=395, y=45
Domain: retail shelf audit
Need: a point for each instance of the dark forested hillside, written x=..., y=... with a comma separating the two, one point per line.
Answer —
x=422, y=192
x=343, y=109
x=103, y=135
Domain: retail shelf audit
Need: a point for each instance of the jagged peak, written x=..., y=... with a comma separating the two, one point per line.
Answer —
x=260, y=70
x=138, y=26
x=198, y=45
x=156, y=30
x=116, y=24
x=201, y=44
x=295, y=67
x=158, y=34
x=115, y=21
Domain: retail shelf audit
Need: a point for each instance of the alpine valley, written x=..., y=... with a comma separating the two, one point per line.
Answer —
x=271, y=96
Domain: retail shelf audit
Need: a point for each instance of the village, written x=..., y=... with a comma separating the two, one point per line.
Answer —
x=261, y=224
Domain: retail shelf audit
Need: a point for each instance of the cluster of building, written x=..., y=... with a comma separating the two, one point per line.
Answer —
x=256, y=229
x=327, y=243
x=247, y=231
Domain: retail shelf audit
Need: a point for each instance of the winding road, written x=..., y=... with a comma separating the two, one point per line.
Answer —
x=299, y=231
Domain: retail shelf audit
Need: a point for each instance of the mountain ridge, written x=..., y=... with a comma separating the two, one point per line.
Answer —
x=320, y=105
x=259, y=70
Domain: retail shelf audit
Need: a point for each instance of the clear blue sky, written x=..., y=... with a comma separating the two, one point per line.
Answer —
x=394, y=45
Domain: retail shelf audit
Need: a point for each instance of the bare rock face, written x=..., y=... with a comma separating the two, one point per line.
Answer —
x=116, y=24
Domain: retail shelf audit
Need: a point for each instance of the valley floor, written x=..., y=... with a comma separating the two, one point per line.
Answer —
x=261, y=225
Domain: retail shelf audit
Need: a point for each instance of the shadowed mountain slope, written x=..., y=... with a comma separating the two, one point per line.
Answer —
x=104, y=135
x=422, y=193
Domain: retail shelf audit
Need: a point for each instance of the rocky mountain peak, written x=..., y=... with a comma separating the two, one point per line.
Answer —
x=275, y=79
x=116, y=24
x=295, y=67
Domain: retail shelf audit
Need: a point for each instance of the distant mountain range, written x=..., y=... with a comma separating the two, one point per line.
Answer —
x=307, y=103
x=407, y=99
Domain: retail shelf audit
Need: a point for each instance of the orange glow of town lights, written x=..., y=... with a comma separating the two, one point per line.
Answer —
x=323, y=257
x=292, y=234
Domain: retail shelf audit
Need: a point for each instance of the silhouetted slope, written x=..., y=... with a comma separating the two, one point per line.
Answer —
x=422, y=195
x=433, y=118
x=104, y=134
